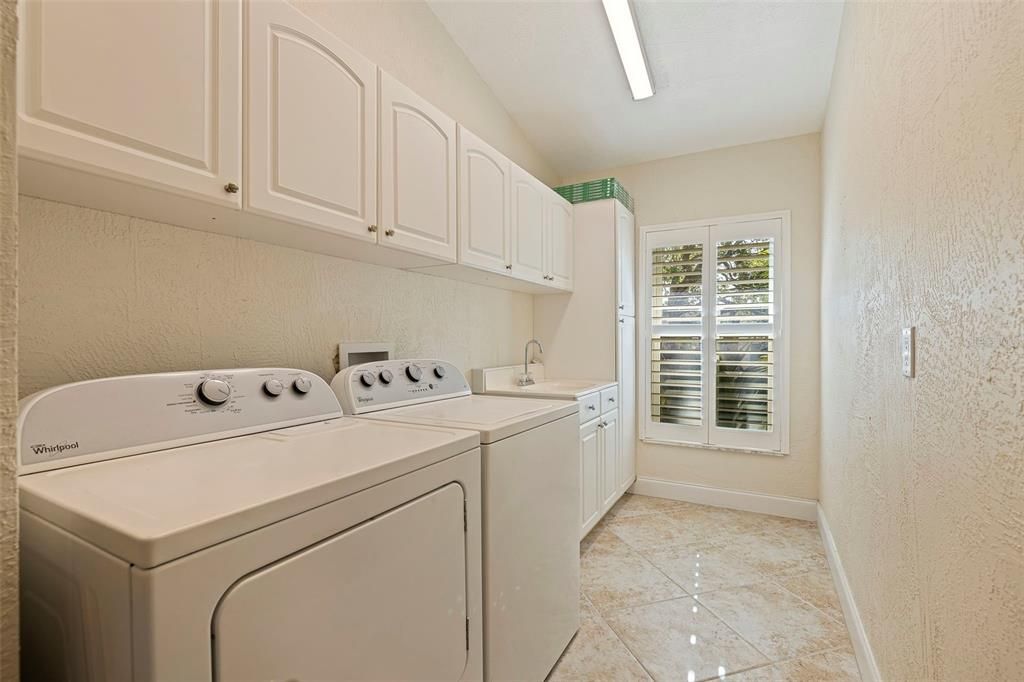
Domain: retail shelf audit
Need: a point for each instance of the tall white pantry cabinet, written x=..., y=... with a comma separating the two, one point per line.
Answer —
x=592, y=335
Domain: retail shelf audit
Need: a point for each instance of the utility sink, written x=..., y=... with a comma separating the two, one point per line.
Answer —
x=569, y=389
x=503, y=381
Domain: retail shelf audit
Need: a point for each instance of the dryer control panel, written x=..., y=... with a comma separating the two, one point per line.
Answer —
x=382, y=385
x=101, y=419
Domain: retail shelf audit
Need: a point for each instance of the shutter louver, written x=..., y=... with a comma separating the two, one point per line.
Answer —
x=677, y=318
x=745, y=337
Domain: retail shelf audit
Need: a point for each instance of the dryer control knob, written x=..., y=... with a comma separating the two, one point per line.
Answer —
x=302, y=384
x=367, y=379
x=439, y=372
x=386, y=376
x=273, y=387
x=214, y=391
x=414, y=372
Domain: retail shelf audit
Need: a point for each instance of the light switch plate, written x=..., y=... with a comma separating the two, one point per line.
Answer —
x=907, y=342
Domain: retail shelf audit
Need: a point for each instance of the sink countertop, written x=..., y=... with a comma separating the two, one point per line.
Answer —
x=502, y=381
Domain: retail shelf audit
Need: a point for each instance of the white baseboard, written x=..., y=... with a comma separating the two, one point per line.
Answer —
x=791, y=507
x=861, y=645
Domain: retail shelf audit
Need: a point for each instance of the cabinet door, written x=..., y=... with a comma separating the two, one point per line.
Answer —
x=528, y=241
x=559, y=244
x=483, y=204
x=590, y=476
x=626, y=376
x=625, y=267
x=145, y=92
x=610, y=449
x=312, y=123
x=417, y=173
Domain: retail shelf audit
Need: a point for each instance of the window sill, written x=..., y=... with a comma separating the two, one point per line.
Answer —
x=720, y=448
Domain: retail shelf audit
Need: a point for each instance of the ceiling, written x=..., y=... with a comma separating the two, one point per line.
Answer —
x=725, y=73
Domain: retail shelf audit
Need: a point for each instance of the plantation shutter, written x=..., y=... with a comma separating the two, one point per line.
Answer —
x=713, y=314
x=678, y=284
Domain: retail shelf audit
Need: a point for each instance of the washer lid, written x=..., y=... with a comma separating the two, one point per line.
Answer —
x=155, y=507
x=494, y=417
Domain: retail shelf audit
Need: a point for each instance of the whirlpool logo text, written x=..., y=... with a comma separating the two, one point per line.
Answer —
x=44, y=449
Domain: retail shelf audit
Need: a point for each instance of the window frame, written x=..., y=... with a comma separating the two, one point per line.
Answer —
x=708, y=233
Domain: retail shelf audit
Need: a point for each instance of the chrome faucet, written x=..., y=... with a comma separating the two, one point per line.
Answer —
x=526, y=379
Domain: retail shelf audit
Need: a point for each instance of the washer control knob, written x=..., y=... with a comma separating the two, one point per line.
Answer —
x=302, y=384
x=439, y=372
x=414, y=372
x=367, y=379
x=214, y=391
x=386, y=376
x=273, y=387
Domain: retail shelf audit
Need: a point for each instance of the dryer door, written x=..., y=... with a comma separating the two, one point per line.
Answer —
x=383, y=600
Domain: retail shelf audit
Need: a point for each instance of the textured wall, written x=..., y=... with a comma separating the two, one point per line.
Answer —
x=923, y=480
x=8, y=352
x=103, y=294
x=753, y=178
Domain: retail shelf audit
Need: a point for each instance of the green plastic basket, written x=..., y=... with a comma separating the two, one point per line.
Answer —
x=596, y=190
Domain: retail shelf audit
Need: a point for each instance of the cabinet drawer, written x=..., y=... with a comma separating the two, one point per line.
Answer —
x=609, y=399
x=590, y=406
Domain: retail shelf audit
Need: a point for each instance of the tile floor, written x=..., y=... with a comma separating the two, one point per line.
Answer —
x=679, y=591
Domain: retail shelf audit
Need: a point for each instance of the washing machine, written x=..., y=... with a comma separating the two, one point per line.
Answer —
x=531, y=489
x=232, y=525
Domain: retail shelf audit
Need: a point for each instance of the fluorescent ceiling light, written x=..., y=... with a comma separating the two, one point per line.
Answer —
x=627, y=39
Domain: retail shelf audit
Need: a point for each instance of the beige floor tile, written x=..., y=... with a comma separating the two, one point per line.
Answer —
x=762, y=523
x=599, y=531
x=838, y=665
x=817, y=588
x=659, y=530
x=681, y=640
x=613, y=575
x=597, y=654
x=778, y=623
x=642, y=505
x=805, y=537
x=699, y=568
x=775, y=554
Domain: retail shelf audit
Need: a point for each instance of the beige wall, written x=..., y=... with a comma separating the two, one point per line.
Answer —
x=104, y=294
x=8, y=353
x=754, y=178
x=923, y=480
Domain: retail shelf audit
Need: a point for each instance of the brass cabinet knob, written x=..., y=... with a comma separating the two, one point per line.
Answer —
x=371, y=228
x=231, y=188
x=389, y=233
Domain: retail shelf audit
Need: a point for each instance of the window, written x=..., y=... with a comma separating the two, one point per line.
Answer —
x=714, y=328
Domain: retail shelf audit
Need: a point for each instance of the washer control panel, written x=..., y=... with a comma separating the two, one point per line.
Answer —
x=106, y=418
x=382, y=385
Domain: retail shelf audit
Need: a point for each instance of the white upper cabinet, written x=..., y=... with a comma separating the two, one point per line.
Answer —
x=528, y=248
x=417, y=171
x=311, y=128
x=625, y=274
x=559, y=239
x=147, y=92
x=483, y=204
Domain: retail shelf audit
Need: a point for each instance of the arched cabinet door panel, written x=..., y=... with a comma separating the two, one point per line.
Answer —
x=417, y=171
x=559, y=235
x=312, y=124
x=144, y=92
x=528, y=197
x=483, y=204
